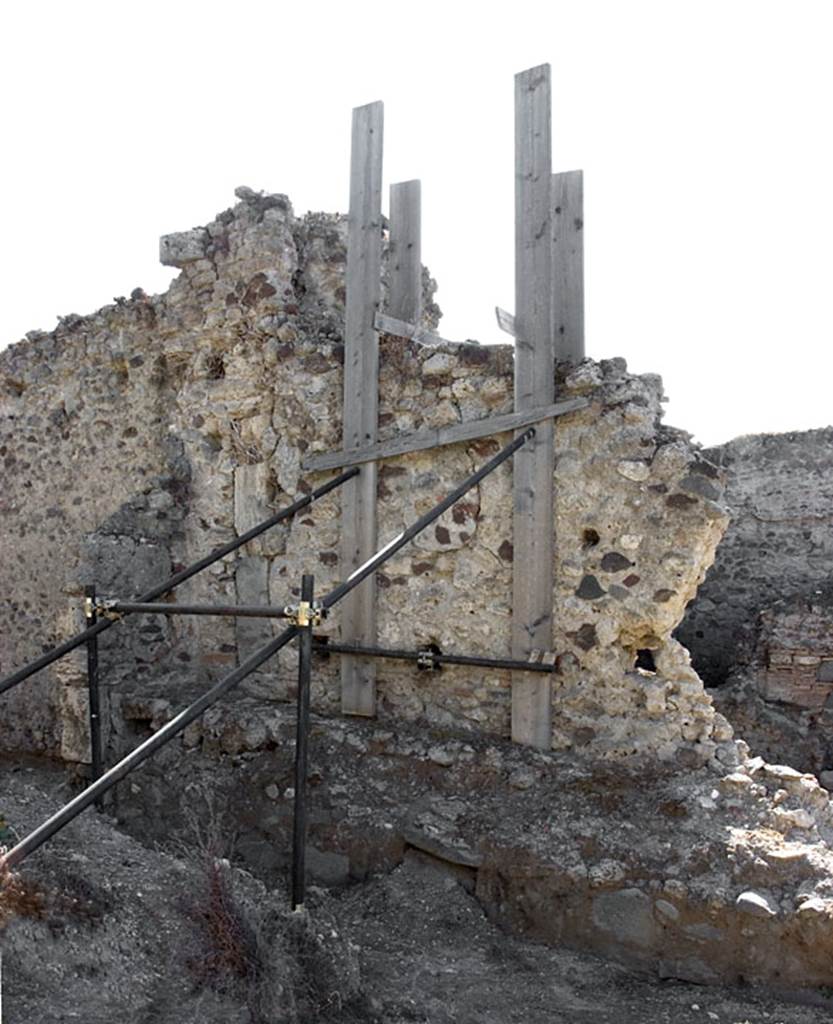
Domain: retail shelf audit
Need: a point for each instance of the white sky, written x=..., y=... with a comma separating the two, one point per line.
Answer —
x=704, y=131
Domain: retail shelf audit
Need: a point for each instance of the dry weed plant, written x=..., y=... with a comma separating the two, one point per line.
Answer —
x=230, y=952
x=248, y=945
x=57, y=895
x=18, y=896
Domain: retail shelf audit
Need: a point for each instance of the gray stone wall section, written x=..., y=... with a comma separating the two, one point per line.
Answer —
x=779, y=543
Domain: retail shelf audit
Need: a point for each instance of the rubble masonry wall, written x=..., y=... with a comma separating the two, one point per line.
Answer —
x=137, y=439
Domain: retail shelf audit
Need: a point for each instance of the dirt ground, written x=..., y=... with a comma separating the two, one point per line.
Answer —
x=110, y=930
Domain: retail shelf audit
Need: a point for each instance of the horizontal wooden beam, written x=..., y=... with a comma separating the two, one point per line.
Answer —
x=400, y=329
x=468, y=431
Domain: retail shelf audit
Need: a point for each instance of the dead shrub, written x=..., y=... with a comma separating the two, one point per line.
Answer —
x=227, y=955
x=19, y=897
x=57, y=895
x=248, y=945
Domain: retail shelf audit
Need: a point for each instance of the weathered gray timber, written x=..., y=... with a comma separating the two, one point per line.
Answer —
x=568, y=265
x=440, y=436
x=403, y=329
x=505, y=321
x=405, y=291
x=532, y=584
x=361, y=398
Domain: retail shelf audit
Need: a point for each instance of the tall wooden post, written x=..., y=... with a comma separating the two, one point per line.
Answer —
x=532, y=586
x=405, y=290
x=361, y=399
x=568, y=265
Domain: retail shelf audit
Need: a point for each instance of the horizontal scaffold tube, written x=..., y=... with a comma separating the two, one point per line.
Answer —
x=241, y=611
x=176, y=725
x=174, y=581
x=438, y=658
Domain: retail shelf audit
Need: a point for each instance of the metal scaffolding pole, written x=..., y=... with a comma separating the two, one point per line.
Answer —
x=299, y=824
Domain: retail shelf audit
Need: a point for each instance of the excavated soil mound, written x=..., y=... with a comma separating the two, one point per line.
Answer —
x=99, y=928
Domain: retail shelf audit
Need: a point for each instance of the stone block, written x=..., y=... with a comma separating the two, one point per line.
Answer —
x=181, y=247
x=327, y=868
x=252, y=507
x=626, y=915
x=251, y=580
x=755, y=904
x=75, y=724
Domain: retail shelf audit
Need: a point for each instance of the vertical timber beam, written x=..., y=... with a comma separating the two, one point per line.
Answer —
x=405, y=292
x=361, y=399
x=568, y=265
x=532, y=585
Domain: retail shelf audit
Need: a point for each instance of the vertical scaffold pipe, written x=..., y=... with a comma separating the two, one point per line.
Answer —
x=299, y=826
x=93, y=697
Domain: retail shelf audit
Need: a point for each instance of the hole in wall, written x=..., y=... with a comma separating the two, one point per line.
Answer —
x=215, y=368
x=590, y=538
x=425, y=664
x=645, y=660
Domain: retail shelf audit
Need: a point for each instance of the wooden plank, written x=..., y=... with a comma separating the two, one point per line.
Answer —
x=505, y=321
x=568, y=265
x=401, y=329
x=440, y=436
x=361, y=398
x=532, y=585
x=405, y=288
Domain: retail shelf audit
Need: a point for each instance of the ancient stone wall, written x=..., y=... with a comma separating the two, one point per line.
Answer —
x=780, y=491
x=139, y=438
x=779, y=695
x=794, y=650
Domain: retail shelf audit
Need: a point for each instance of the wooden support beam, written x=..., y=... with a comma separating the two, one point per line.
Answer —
x=440, y=436
x=361, y=398
x=567, y=269
x=505, y=321
x=402, y=329
x=532, y=586
x=405, y=289
x=568, y=265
